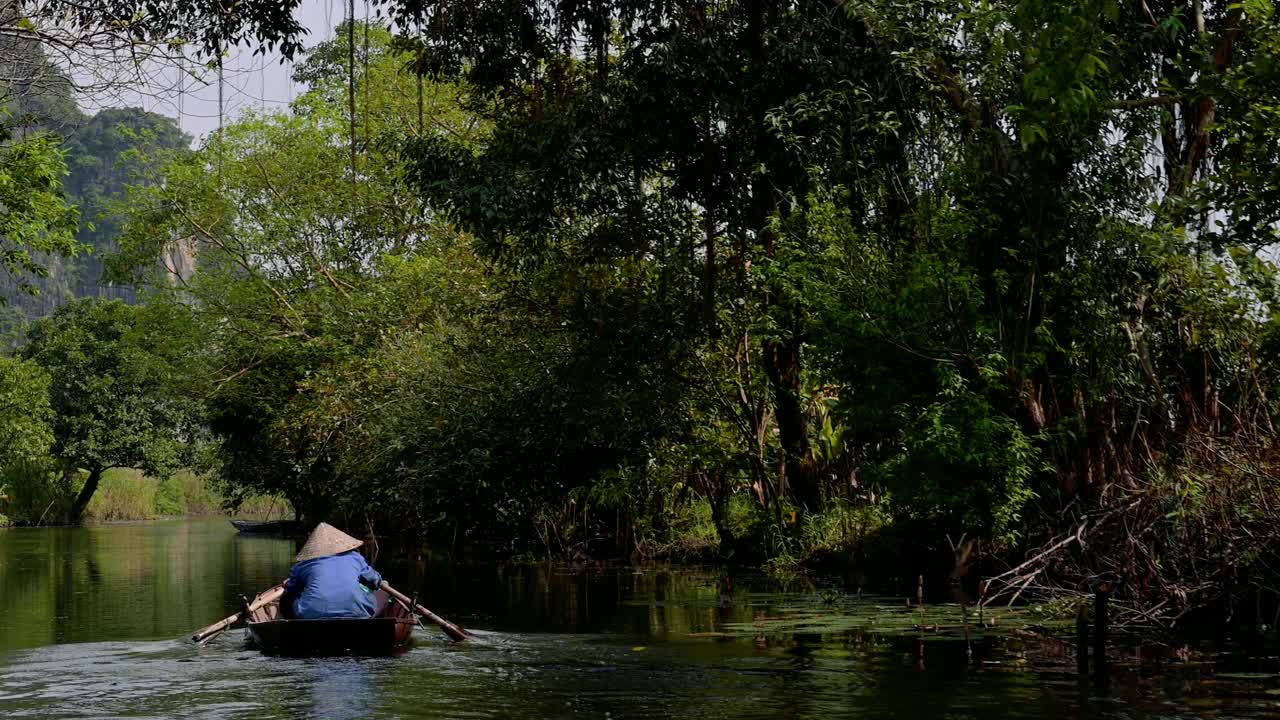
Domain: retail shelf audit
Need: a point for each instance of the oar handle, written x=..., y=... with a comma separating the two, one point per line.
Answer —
x=455, y=633
x=264, y=598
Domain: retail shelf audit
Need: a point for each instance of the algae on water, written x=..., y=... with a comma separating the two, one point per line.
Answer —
x=883, y=618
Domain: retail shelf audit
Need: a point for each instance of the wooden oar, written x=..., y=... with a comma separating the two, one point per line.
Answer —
x=265, y=598
x=454, y=632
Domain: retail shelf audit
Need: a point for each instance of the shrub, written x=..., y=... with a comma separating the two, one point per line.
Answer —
x=33, y=494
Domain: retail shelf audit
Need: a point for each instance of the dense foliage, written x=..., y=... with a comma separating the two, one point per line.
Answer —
x=24, y=423
x=750, y=277
x=115, y=392
x=35, y=217
x=299, y=274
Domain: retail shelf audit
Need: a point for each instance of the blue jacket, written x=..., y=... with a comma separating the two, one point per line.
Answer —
x=330, y=587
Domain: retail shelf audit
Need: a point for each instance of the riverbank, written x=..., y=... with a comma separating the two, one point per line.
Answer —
x=33, y=496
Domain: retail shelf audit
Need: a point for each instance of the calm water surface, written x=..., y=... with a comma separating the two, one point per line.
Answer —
x=92, y=623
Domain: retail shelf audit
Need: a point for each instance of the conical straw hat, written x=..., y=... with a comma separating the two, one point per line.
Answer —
x=326, y=540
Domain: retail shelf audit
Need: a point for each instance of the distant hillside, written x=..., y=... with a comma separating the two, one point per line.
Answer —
x=105, y=153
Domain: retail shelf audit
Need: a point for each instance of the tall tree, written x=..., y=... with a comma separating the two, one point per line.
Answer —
x=1003, y=268
x=658, y=130
x=114, y=391
x=292, y=244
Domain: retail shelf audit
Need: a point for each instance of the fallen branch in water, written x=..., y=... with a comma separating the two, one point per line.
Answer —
x=1200, y=536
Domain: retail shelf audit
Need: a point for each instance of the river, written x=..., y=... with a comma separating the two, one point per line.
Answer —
x=93, y=620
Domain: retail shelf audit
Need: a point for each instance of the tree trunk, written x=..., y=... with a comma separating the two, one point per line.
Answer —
x=86, y=494
x=800, y=471
x=786, y=178
x=718, y=496
x=709, y=230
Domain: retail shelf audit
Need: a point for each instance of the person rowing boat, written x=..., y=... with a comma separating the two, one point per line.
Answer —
x=330, y=582
x=330, y=579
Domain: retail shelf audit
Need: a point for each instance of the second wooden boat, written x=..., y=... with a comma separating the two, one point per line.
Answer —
x=388, y=631
x=269, y=527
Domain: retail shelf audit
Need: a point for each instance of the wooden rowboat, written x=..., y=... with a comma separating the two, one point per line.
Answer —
x=388, y=631
x=269, y=527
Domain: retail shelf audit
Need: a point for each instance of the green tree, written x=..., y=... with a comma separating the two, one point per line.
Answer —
x=36, y=219
x=114, y=391
x=293, y=243
x=72, y=161
x=942, y=226
x=106, y=30
x=25, y=437
x=690, y=140
x=25, y=414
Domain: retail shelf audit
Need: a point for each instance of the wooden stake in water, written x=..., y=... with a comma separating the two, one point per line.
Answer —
x=1101, y=599
x=982, y=598
x=1082, y=640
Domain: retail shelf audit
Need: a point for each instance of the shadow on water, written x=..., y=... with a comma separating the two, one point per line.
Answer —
x=89, y=621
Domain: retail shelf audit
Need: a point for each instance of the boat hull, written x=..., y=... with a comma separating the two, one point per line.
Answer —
x=269, y=527
x=389, y=632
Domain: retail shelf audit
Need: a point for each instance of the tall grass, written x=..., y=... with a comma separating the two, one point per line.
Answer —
x=186, y=493
x=265, y=507
x=122, y=495
x=131, y=495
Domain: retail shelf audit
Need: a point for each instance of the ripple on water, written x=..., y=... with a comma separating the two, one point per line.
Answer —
x=560, y=675
x=619, y=644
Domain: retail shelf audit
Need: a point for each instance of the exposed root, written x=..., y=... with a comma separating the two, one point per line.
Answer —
x=1202, y=535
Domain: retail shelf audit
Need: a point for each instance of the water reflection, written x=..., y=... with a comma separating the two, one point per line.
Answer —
x=338, y=688
x=126, y=581
x=90, y=621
